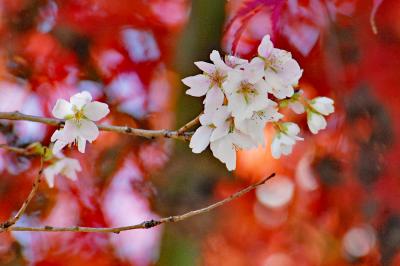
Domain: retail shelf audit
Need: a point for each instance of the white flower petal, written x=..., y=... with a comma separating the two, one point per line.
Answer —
x=200, y=139
x=207, y=117
x=220, y=131
x=292, y=129
x=205, y=67
x=62, y=109
x=71, y=166
x=234, y=78
x=71, y=174
x=80, y=99
x=56, y=135
x=214, y=99
x=277, y=86
x=221, y=115
x=265, y=47
x=242, y=141
x=234, y=62
x=225, y=152
x=286, y=149
x=315, y=122
x=88, y=130
x=254, y=71
x=49, y=174
x=218, y=62
x=64, y=166
x=290, y=72
x=81, y=144
x=58, y=146
x=297, y=107
x=276, y=148
x=69, y=132
x=95, y=110
x=323, y=105
x=199, y=85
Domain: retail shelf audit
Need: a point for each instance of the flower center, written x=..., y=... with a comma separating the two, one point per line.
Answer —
x=217, y=79
x=247, y=90
x=78, y=115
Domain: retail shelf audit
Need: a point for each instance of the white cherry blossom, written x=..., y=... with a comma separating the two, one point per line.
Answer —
x=319, y=107
x=79, y=113
x=254, y=126
x=218, y=129
x=210, y=83
x=63, y=166
x=285, y=139
x=282, y=72
x=246, y=91
x=224, y=148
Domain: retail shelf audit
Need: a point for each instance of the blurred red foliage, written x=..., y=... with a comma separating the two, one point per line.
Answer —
x=120, y=51
x=335, y=199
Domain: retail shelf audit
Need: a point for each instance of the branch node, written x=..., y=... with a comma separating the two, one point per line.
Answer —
x=151, y=223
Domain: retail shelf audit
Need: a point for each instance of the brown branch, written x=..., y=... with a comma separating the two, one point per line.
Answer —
x=146, y=133
x=145, y=224
x=15, y=149
x=189, y=125
x=13, y=220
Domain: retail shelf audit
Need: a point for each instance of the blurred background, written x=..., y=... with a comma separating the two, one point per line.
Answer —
x=334, y=201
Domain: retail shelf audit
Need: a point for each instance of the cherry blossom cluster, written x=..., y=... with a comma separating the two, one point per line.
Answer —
x=242, y=96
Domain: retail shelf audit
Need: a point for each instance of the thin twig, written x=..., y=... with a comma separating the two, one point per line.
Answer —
x=15, y=149
x=145, y=224
x=189, y=125
x=146, y=133
x=13, y=220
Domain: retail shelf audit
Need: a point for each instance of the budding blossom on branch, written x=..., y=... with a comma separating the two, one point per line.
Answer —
x=243, y=96
x=318, y=108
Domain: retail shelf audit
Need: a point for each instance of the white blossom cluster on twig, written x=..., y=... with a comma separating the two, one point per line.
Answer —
x=242, y=96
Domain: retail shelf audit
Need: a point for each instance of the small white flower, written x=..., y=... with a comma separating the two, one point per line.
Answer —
x=285, y=139
x=323, y=105
x=218, y=129
x=254, y=126
x=282, y=72
x=210, y=83
x=225, y=148
x=246, y=92
x=79, y=127
x=63, y=166
x=319, y=107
